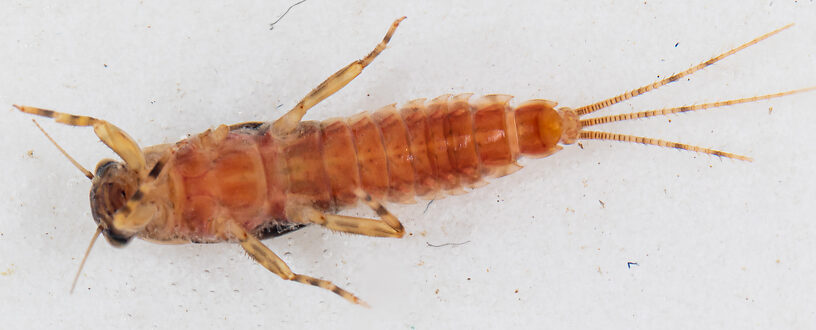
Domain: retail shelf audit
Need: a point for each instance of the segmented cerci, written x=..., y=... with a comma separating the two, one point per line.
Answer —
x=250, y=181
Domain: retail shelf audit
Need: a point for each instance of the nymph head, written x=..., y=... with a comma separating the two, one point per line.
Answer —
x=112, y=186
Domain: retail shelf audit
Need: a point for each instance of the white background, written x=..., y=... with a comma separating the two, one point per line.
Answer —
x=718, y=243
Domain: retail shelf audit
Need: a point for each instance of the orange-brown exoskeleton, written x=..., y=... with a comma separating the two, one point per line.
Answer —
x=250, y=181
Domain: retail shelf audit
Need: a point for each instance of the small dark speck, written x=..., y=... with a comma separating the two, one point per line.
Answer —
x=427, y=206
x=603, y=205
x=630, y=264
x=105, y=65
x=468, y=278
x=677, y=44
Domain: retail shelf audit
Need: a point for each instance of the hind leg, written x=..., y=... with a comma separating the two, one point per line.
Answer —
x=351, y=225
x=387, y=226
x=335, y=82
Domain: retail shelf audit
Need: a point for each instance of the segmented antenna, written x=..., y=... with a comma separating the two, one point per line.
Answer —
x=87, y=173
x=87, y=252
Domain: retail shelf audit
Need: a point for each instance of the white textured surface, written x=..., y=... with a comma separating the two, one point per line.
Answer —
x=719, y=243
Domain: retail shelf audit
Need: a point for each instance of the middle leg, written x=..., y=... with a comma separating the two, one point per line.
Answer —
x=264, y=256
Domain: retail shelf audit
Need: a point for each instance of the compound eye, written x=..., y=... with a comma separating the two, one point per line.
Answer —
x=115, y=239
x=103, y=166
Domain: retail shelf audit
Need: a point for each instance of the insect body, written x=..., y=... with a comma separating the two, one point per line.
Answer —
x=250, y=181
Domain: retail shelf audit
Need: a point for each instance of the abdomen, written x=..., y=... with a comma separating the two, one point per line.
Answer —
x=424, y=149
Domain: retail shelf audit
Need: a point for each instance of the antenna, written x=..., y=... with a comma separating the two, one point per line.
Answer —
x=87, y=173
x=87, y=252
